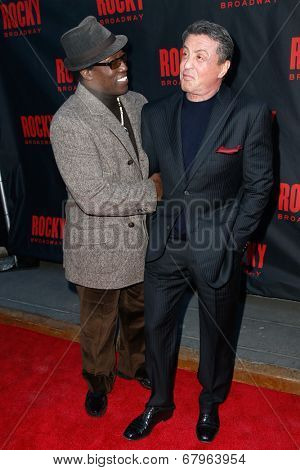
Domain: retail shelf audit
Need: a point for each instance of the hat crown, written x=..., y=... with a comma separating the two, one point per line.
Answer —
x=89, y=34
x=88, y=43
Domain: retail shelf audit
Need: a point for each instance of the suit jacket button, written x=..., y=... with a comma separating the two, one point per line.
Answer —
x=130, y=162
x=186, y=192
x=131, y=224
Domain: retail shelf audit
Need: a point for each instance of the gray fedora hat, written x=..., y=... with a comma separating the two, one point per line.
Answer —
x=88, y=43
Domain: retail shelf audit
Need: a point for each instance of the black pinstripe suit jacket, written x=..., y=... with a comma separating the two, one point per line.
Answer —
x=228, y=184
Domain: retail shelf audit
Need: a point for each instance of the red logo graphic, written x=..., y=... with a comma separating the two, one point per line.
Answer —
x=295, y=59
x=64, y=78
x=289, y=202
x=246, y=3
x=36, y=129
x=21, y=18
x=47, y=230
x=255, y=258
x=120, y=11
x=169, y=60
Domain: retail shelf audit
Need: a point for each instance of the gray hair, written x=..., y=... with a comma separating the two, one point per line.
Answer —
x=215, y=32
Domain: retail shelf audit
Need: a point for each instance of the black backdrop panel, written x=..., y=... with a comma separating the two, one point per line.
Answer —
x=34, y=83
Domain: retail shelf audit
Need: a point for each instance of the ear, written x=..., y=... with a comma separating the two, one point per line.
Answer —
x=224, y=68
x=87, y=74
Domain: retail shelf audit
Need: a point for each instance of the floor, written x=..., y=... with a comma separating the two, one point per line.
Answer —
x=270, y=329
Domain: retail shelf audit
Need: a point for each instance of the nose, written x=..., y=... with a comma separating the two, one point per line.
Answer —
x=123, y=66
x=187, y=62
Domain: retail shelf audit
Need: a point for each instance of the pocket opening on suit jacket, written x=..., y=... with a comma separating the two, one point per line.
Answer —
x=222, y=150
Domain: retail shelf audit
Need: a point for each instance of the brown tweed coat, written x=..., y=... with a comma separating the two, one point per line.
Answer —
x=109, y=192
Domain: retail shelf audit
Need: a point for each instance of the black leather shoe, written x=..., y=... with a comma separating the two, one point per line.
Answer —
x=142, y=426
x=208, y=425
x=95, y=404
x=140, y=375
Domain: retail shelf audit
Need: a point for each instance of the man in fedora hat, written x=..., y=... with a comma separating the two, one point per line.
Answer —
x=95, y=137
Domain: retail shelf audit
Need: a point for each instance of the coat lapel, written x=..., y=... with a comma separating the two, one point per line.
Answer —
x=218, y=117
x=134, y=119
x=107, y=119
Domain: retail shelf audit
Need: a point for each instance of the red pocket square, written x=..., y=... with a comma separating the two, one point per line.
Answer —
x=229, y=151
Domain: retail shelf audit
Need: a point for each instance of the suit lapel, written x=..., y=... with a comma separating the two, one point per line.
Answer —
x=218, y=117
x=173, y=117
x=106, y=118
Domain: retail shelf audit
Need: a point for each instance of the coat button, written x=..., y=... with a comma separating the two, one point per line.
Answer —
x=131, y=224
x=186, y=192
x=130, y=162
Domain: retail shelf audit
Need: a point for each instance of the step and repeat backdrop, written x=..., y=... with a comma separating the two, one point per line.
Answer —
x=34, y=83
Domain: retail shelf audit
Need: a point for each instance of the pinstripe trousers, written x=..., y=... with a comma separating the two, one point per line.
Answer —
x=166, y=280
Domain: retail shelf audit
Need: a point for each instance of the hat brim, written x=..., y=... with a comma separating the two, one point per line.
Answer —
x=118, y=44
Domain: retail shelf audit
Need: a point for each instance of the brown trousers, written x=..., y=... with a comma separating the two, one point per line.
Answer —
x=101, y=312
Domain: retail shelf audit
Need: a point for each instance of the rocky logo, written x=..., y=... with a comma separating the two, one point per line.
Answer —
x=36, y=129
x=64, y=78
x=169, y=61
x=47, y=230
x=255, y=259
x=295, y=59
x=289, y=203
x=246, y=3
x=120, y=11
x=21, y=18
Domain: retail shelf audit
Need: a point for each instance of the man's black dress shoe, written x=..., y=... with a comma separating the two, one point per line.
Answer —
x=208, y=425
x=142, y=425
x=95, y=404
x=141, y=376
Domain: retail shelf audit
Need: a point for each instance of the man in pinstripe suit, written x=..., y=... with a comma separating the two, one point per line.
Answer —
x=214, y=152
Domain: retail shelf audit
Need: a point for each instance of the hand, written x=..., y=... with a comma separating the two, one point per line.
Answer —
x=158, y=185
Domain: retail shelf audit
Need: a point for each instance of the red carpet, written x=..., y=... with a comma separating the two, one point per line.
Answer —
x=251, y=418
